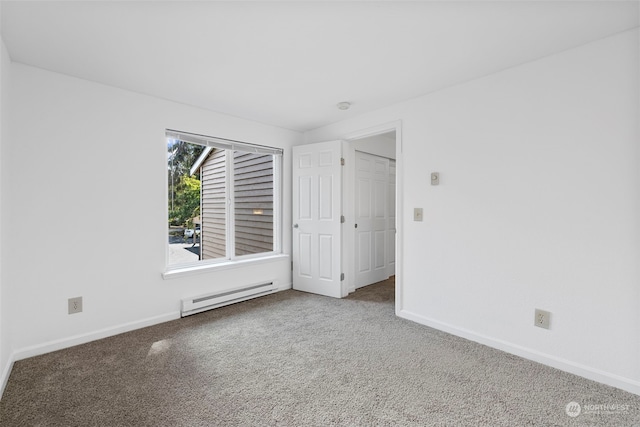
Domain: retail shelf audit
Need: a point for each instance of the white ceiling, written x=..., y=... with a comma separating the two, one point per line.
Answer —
x=289, y=63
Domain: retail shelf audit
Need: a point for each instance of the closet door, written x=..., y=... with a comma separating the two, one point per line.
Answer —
x=372, y=219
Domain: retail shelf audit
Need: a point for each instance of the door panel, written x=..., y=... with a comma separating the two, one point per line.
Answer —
x=364, y=251
x=317, y=181
x=372, y=177
x=326, y=198
x=380, y=250
x=304, y=197
x=380, y=199
x=391, y=209
x=304, y=255
x=326, y=251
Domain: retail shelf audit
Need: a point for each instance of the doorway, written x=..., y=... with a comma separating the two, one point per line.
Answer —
x=374, y=207
x=314, y=189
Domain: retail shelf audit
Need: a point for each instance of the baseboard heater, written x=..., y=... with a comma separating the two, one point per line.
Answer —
x=210, y=301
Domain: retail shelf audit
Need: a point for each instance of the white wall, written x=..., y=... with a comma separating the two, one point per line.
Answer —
x=5, y=349
x=379, y=145
x=538, y=207
x=85, y=213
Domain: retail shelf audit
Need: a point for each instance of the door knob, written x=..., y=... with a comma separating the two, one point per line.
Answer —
x=295, y=225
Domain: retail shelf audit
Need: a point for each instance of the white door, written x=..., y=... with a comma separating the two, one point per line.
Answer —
x=317, y=239
x=391, y=229
x=372, y=219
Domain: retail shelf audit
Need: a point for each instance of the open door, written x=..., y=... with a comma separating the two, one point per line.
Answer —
x=317, y=229
x=372, y=219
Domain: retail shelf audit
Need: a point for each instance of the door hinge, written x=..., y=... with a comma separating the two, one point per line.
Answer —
x=342, y=161
x=291, y=265
x=342, y=219
x=341, y=277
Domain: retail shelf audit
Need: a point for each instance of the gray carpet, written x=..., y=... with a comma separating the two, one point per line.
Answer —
x=296, y=359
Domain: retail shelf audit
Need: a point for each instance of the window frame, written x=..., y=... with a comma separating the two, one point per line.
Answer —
x=230, y=260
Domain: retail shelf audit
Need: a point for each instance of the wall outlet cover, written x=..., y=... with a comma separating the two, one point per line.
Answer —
x=75, y=305
x=542, y=319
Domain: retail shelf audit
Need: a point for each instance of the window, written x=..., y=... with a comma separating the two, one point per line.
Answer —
x=223, y=201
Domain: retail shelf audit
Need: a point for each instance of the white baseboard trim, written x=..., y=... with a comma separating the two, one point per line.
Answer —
x=6, y=371
x=584, y=371
x=62, y=343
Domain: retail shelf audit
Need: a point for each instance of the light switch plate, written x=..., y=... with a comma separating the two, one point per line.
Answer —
x=435, y=178
x=417, y=214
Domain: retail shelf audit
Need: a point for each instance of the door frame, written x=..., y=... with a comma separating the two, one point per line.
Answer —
x=348, y=190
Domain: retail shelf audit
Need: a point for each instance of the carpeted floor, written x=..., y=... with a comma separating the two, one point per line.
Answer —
x=297, y=359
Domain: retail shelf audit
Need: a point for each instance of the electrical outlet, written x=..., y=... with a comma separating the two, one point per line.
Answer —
x=75, y=305
x=542, y=319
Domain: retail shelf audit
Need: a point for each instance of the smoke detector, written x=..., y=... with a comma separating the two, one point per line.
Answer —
x=344, y=105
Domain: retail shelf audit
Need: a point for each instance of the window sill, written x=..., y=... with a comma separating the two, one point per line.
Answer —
x=208, y=268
